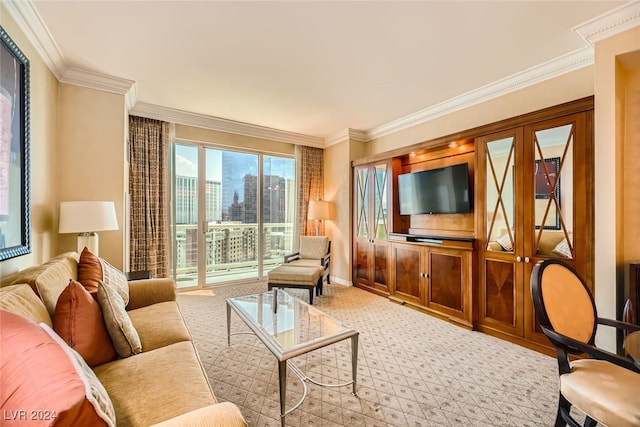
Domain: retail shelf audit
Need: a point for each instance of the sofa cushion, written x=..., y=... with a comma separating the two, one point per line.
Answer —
x=22, y=300
x=313, y=247
x=56, y=384
x=156, y=385
x=48, y=279
x=159, y=325
x=220, y=414
x=78, y=321
x=93, y=270
x=124, y=336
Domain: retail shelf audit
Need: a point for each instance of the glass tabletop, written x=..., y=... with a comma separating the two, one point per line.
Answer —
x=287, y=325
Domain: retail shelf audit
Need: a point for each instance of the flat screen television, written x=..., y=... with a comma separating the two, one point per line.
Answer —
x=435, y=191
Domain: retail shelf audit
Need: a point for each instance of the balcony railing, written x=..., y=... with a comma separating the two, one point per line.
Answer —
x=231, y=250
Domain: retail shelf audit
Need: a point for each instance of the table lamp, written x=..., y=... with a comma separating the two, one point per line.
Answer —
x=318, y=211
x=86, y=218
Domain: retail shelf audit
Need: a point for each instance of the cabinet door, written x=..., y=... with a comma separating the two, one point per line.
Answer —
x=556, y=159
x=361, y=241
x=448, y=281
x=371, y=227
x=380, y=227
x=408, y=273
x=501, y=289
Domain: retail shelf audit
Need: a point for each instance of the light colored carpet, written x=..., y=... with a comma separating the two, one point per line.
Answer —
x=413, y=369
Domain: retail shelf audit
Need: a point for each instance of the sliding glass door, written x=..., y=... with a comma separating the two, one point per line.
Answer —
x=233, y=214
x=278, y=209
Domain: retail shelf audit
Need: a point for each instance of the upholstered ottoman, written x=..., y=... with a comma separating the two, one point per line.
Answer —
x=287, y=276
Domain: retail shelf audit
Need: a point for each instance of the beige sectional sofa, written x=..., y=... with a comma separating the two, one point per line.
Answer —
x=165, y=383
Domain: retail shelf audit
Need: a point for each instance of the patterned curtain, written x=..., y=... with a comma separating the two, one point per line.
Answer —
x=311, y=187
x=148, y=164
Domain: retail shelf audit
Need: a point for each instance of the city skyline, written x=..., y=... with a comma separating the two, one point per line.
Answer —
x=229, y=168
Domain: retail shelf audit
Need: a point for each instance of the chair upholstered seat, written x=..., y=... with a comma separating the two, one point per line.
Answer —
x=606, y=392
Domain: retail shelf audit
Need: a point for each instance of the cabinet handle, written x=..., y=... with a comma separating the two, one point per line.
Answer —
x=527, y=260
x=518, y=259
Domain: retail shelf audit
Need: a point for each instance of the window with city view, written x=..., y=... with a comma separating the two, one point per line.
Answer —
x=233, y=214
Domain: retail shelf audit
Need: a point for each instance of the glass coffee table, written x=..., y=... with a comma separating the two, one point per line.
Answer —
x=289, y=327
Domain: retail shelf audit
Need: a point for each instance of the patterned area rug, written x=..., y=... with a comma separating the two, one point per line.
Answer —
x=413, y=369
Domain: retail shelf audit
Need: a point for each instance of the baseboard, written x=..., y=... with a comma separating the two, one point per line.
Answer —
x=340, y=281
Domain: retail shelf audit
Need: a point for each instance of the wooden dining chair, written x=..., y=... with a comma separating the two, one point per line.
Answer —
x=604, y=386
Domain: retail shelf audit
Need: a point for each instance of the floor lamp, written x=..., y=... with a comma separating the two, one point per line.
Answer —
x=86, y=218
x=319, y=210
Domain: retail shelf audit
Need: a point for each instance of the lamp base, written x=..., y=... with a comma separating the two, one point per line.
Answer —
x=88, y=240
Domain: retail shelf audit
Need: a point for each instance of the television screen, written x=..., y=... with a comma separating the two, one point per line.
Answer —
x=435, y=191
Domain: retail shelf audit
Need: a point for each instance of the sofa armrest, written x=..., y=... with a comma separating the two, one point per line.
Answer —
x=224, y=414
x=150, y=291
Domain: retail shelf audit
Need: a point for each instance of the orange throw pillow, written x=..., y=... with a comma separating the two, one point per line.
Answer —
x=94, y=271
x=89, y=270
x=41, y=384
x=78, y=320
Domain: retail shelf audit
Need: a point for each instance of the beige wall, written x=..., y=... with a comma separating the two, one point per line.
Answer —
x=43, y=98
x=631, y=166
x=338, y=189
x=616, y=113
x=92, y=160
x=337, y=170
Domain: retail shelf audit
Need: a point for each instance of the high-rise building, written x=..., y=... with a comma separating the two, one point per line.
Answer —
x=250, y=199
x=186, y=200
x=234, y=168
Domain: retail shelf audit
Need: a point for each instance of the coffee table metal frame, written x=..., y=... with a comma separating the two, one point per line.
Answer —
x=283, y=355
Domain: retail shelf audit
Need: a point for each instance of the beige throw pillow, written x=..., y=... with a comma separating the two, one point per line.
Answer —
x=121, y=330
x=116, y=280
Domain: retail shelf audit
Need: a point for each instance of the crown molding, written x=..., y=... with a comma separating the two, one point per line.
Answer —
x=95, y=80
x=223, y=125
x=609, y=24
x=347, y=134
x=557, y=67
x=34, y=28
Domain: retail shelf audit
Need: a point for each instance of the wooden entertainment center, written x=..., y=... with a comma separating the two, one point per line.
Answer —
x=531, y=181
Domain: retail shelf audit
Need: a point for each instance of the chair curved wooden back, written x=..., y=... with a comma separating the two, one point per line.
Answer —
x=563, y=302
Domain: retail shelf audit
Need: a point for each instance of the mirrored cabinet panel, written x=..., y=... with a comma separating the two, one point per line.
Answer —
x=536, y=201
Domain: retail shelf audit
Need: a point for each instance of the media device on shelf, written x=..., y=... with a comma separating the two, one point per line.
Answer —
x=435, y=191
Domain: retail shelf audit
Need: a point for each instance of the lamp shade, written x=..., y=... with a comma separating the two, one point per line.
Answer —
x=319, y=209
x=86, y=217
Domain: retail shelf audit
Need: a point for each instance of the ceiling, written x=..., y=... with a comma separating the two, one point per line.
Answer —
x=315, y=68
